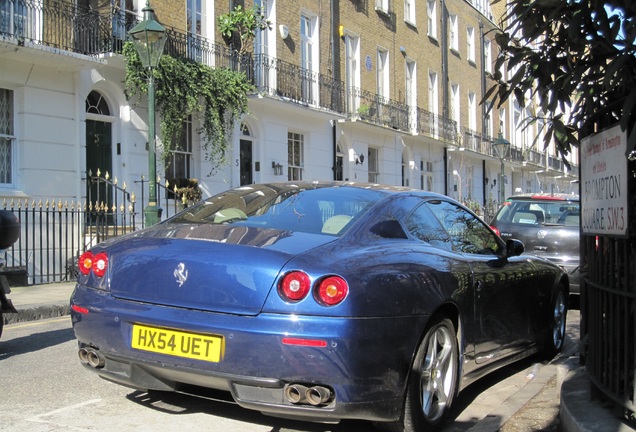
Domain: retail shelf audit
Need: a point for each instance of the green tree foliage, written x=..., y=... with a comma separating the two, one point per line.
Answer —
x=239, y=27
x=217, y=97
x=576, y=55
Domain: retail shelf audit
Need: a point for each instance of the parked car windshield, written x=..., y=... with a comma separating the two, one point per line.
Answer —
x=315, y=210
x=537, y=212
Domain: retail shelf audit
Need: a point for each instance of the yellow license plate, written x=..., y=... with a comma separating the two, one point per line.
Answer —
x=177, y=343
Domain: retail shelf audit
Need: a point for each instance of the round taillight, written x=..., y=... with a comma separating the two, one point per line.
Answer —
x=294, y=286
x=332, y=290
x=100, y=263
x=85, y=262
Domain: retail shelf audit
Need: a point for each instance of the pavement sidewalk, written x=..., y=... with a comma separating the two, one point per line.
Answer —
x=560, y=387
x=39, y=302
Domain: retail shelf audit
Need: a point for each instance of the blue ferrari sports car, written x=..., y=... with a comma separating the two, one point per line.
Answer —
x=317, y=301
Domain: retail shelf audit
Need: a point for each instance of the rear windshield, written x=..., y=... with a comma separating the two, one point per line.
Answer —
x=534, y=212
x=321, y=210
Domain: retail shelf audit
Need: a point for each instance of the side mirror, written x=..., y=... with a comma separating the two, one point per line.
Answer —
x=514, y=247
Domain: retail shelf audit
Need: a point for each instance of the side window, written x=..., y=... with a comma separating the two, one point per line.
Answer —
x=468, y=234
x=423, y=225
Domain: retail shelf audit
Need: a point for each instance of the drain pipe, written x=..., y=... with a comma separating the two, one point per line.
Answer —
x=483, y=182
x=334, y=124
x=446, y=171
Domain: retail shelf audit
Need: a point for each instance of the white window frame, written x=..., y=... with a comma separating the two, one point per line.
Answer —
x=410, y=79
x=409, y=11
x=373, y=165
x=295, y=155
x=431, y=13
x=453, y=33
x=262, y=44
x=22, y=21
x=203, y=12
x=455, y=104
x=502, y=122
x=184, y=149
x=488, y=56
x=265, y=46
x=383, y=71
x=309, y=54
x=472, y=111
x=352, y=70
x=8, y=138
x=433, y=101
x=433, y=93
x=470, y=44
x=489, y=119
x=517, y=125
x=382, y=6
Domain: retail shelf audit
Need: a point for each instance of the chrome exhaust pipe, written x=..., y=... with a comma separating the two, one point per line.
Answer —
x=83, y=355
x=295, y=393
x=95, y=359
x=318, y=395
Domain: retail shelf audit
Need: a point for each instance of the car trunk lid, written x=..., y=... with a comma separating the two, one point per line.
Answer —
x=227, y=275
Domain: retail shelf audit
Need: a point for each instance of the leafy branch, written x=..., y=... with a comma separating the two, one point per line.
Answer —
x=239, y=27
x=216, y=97
x=575, y=60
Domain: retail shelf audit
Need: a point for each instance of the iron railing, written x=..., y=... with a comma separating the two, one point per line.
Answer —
x=54, y=233
x=436, y=126
x=379, y=110
x=609, y=305
x=474, y=141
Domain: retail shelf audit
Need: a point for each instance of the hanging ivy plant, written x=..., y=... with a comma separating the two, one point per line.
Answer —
x=217, y=97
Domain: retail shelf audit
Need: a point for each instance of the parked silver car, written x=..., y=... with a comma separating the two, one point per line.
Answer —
x=548, y=224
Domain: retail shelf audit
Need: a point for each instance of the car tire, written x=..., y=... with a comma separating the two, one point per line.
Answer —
x=555, y=333
x=432, y=382
x=1, y=323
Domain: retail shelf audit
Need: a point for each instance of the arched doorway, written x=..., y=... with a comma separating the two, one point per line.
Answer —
x=99, y=152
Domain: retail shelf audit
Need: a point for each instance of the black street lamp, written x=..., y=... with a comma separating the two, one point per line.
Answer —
x=149, y=38
x=501, y=146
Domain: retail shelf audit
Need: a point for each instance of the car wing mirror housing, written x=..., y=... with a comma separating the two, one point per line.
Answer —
x=514, y=247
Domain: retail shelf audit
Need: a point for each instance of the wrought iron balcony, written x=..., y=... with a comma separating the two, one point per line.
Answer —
x=474, y=141
x=436, y=126
x=379, y=110
x=64, y=25
x=92, y=32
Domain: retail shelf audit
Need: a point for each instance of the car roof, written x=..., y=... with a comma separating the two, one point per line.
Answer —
x=307, y=184
x=545, y=196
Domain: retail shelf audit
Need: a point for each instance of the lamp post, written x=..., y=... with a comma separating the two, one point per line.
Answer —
x=149, y=38
x=501, y=146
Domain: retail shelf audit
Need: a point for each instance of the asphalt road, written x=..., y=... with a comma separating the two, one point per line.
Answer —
x=46, y=389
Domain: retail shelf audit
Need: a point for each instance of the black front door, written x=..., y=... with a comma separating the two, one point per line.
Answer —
x=246, y=162
x=99, y=158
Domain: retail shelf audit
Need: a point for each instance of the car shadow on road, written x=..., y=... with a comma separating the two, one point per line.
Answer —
x=220, y=404
x=34, y=342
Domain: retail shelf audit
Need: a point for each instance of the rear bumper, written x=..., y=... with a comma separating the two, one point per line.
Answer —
x=264, y=395
x=365, y=361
